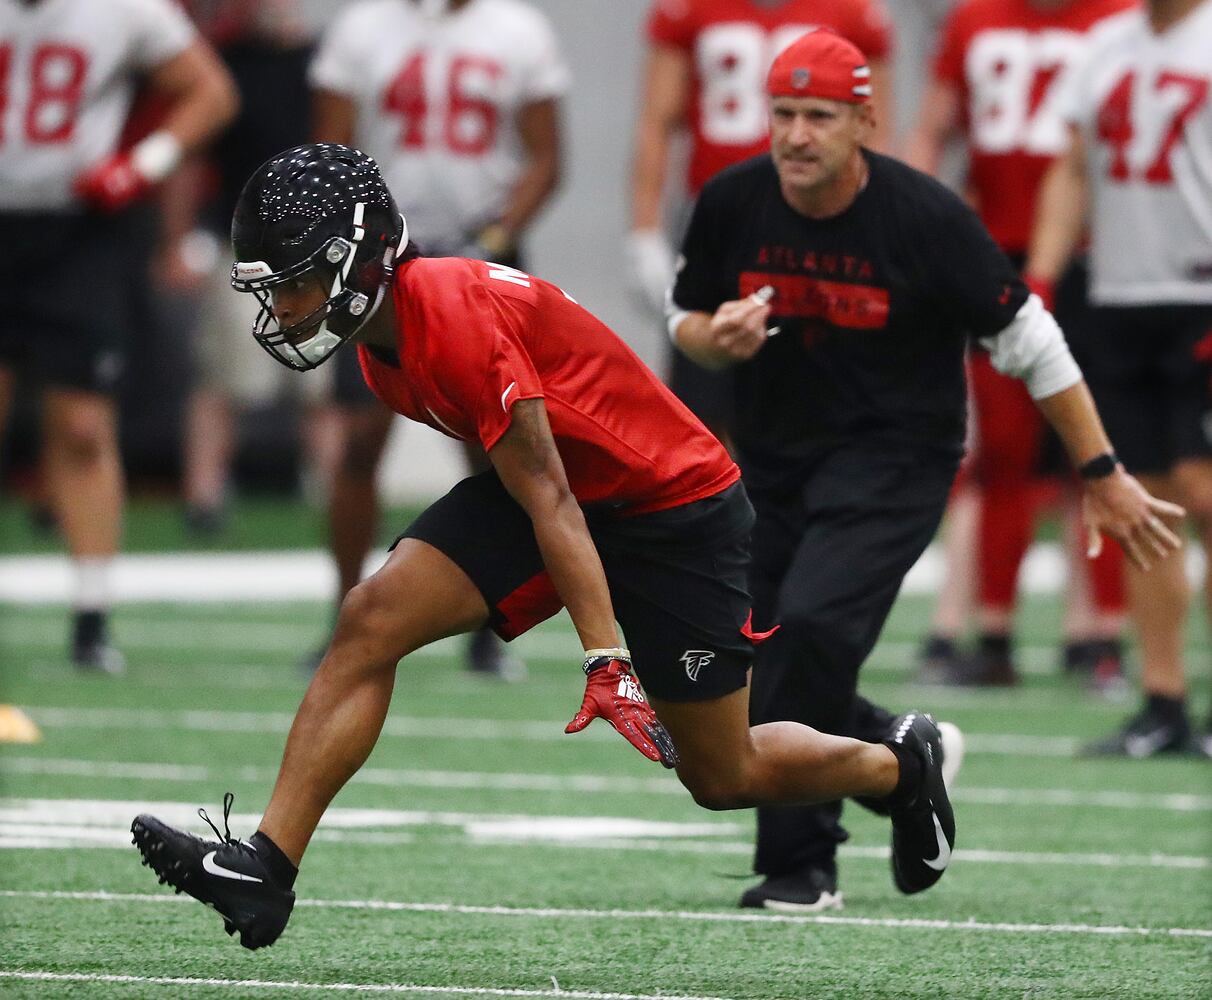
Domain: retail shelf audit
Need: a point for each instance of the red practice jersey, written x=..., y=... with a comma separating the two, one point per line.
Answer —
x=731, y=44
x=1011, y=63
x=475, y=337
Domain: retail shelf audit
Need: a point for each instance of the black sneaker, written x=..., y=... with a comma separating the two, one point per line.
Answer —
x=990, y=665
x=486, y=655
x=228, y=875
x=1146, y=734
x=937, y=658
x=808, y=890
x=92, y=652
x=923, y=831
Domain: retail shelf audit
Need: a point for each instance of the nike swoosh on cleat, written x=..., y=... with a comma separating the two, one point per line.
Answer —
x=214, y=868
x=943, y=859
x=1147, y=744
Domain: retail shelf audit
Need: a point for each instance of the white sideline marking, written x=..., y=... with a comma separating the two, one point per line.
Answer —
x=406, y=726
x=586, y=783
x=309, y=575
x=701, y=916
x=269, y=984
x=64, y=823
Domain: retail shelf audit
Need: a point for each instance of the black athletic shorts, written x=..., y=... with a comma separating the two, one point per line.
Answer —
x=71, y=284
x=678, y=579
x=1149, y=369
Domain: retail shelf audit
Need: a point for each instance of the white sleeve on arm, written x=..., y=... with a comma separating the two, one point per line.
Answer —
x=674, y=314
x=1033, y=348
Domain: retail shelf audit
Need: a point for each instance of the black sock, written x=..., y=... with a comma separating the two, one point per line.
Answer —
x=995, y=644
x=88, y=628
x=1167, y=709
x=280, y=866
x=909, y=779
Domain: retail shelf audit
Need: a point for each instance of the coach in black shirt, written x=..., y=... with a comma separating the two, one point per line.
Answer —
x=843, y=286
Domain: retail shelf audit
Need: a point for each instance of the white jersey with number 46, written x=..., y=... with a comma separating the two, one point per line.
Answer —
x=1143, y=102
x=68, y=70
x=436, y=98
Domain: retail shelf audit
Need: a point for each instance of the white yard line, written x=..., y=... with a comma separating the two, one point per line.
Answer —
x=697, y=916
x=451, y=727
x=269, y=984
x=1182, y=802
x=88, y=823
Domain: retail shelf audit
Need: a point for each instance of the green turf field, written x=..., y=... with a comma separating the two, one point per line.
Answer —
x=483, y=853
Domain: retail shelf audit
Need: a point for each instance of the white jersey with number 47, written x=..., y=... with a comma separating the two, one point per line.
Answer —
x=68, y=70
x=1143, y=102
x=436, y=98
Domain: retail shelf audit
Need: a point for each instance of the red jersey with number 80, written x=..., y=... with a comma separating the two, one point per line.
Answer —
x=1010, y=63
x=474, y=338
x=731, y=44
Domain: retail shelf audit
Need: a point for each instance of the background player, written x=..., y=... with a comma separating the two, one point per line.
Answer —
x=459, y=102
x=704, y=74
x=999, y=71
x=70, y=70
x=1140, y=156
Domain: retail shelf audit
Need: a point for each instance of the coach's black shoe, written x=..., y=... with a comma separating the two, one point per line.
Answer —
x=92, y=651
x=1160, y=727
x=808, y=890
x=923, y=827
x=232, y=877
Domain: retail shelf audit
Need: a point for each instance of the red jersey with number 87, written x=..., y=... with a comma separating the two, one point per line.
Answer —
x=1010, y=62
x=731, y=44
x=474, y=338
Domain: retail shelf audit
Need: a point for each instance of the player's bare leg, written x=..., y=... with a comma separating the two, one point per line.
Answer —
x=85, y=481
x=725, y=764
x=728, y=765
x=419, y=596
x=210, y=440
x=353, y=506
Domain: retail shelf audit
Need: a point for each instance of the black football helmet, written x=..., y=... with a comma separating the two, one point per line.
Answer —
x=323, y=211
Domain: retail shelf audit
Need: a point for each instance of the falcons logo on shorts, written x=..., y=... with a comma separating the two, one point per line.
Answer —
x=696, y=660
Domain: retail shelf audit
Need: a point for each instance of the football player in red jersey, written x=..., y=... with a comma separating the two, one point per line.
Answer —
x=606, y=496
x=998, y=75
x=706, y=66
x=68, y=75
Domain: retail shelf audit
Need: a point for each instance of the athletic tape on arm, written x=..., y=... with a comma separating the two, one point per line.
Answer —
x=1033, y=348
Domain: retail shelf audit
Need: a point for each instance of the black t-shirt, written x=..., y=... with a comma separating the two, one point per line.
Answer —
x=875, y=307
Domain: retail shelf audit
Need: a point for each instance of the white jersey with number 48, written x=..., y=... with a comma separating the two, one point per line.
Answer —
x=436, y=98
x=68, y=70
x=1143, y=102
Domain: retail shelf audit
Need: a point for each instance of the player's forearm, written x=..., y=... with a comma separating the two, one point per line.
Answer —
x=575, y=568
x=205, y=104
x=1060, y=218
x=693, y=338
x=648, y=174
x=532, y=191
x=1072, y=414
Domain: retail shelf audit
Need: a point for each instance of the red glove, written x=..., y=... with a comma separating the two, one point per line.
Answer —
x=611, y=693
x=1045, y=289
x=112, y=184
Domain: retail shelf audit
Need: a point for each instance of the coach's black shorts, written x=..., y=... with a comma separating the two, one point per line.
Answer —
x=678, y=579
x=1149, y=369
x=71, y=287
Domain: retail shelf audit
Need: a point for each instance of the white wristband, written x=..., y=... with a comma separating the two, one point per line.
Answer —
x=156, y=156
x=615, y=652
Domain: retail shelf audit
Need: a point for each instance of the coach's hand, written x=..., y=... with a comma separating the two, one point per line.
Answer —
x=611, y=693
x=738, y=328
x=1117, y=505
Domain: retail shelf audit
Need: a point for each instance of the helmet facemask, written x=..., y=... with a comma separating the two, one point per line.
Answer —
x=311, y=340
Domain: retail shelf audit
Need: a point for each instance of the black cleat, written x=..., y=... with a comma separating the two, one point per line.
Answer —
x=486, y=655
x=1146, y=734
x=228, y=875
x=923, y=831
x=92, y=651
x=808, y=890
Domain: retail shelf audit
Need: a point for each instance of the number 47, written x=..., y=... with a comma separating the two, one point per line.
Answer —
x=1116, y=130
